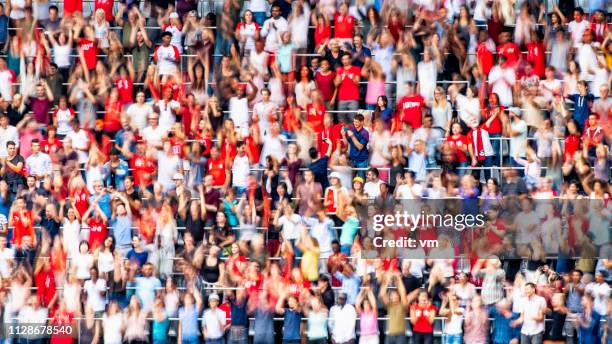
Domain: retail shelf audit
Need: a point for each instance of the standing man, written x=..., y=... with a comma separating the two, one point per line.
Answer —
x=342, y=318
x=357, y=138
x=12, y=168
x=532, y=317
x=347, y=83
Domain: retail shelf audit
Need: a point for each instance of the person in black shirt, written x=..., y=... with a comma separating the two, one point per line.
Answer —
x=554, y=329
x=49, y=220
x=319, y=164
x=16, y=110
x=12, y=168
x=193, y=213
x=326, y=292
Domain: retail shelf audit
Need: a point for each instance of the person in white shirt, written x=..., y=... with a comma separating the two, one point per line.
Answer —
x=600, y=291
x=342, y=319
x=168, y=164
x=153, y=134
x=241, y=168
x=532, y=316
x=274, y=144
x=289, y=223
x=577, y=27
x=7, y=133
x=272, y=27
x=517, y=130
x=427, y=72
x=502, y=78
x=167, y=56
x=33, y=314
x=264, y=111
x=7, y=78
x=80, y=141
x=168, y=109
x=239, y=108
x=372, y=186
x=213, y=320
x=95, y=288
x=7, y=254
x=38, y=164
x=138, y=112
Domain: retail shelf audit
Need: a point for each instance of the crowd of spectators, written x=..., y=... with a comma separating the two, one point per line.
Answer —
x=208, y=171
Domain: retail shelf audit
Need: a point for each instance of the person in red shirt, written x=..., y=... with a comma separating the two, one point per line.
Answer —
x=422, y=317
x=62, y=319
x=217, y=168
x=51, y=145
x=331, y=134
x=459, y=145
x=44, y=280
x=88, y=49
x=142, y=167
x=484, y=56
x=593, y=135
x=125, y=84
x=72, y=6
x=107, y=7
x=324, y=79
x=98, y=230
x=494, y=112
x=21, y=220
x=189, y=111
x=410, y=107
x=79, y=194
x=508, y=49
x=495, y=229
x=322, y=32
x=536, y=54
x=347, y=83
x=315, y=112
x=112, y=113
x=344, y=24
x=572, y=141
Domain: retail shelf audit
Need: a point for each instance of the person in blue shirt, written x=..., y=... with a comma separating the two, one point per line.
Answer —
x=582, y=103
x=588, y=322
x=4, y=22
x=357, y=138
x=319, y=163
x=502, y=316
x=351, y=283
x=292, y=318
x=121, y=224
x=115, y=171
x=189, y=326
x=359, y=52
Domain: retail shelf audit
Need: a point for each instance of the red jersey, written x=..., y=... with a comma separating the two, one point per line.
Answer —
x=112, y=116
x=45, y=286
x=23, y=225
x=348, y=90
x=536, y=54
x=107, y=6
x=216, y=168
x=423, y=313
x=90, y=51
x=142, y=169
x=125, y=87
x=80, y=199
x=485, y=58
x=59, y=319
x=333, y=133
x=344, y=26
x=51, y=147
x=496, y=124
x=325, y=84
x=456, y=144
x=493, y=238
x=71, y=6
x=253, y=150
x=322, y=34
x=315, y=115
x=295, y=288
x=178, y=146
x=97, y=233
x=572, y=143
x=291, y=119
x=410, y=110
x=206, y=141
x=511, y=51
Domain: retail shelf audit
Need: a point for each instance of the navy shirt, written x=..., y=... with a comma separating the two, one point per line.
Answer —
x=581, y=107
x=50, y=225
x=292, y=320
x=139, y=258
x=359, y=155
x=4, y=21
x=239, y=314
x=360, y=57
x=319, y=169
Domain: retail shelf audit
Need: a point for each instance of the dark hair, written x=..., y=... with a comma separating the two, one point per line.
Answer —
x=35, y=141
x=579, y=10
x=53, y=7
x=313, y=153
x=374, y=171
x=239, y=144
x=10, y=143
x=529, y=284
x=359, y=117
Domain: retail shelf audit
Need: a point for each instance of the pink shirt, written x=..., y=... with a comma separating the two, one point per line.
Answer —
x=375, y=88
x=368, y=323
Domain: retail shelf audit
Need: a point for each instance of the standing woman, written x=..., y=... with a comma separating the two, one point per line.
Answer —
x=367, y=310
x=422, y=317
x=160, y=323
x=304, y=87
x=113, y=324
x=476, y=322
x=298, y=22
x=379, y=149
x=317, y=321
x=383, y=111
x=247, y=32
x=136, y=332
x=373, y=71
x=441, y=110
x=101, y=28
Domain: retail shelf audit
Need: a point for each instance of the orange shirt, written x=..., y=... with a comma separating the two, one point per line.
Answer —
x=23, y=223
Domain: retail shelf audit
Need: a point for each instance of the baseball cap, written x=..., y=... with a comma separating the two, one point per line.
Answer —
x=334, y=175
x=515, y=110
x=178, y=176
x=358, y=179
x=174, y=15
x=213, y=297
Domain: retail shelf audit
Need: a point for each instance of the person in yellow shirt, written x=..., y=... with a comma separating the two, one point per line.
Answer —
x=310, y=255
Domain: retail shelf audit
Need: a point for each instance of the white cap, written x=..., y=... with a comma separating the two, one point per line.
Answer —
x=174, y=15
x=334, y=175
x=178, y=176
